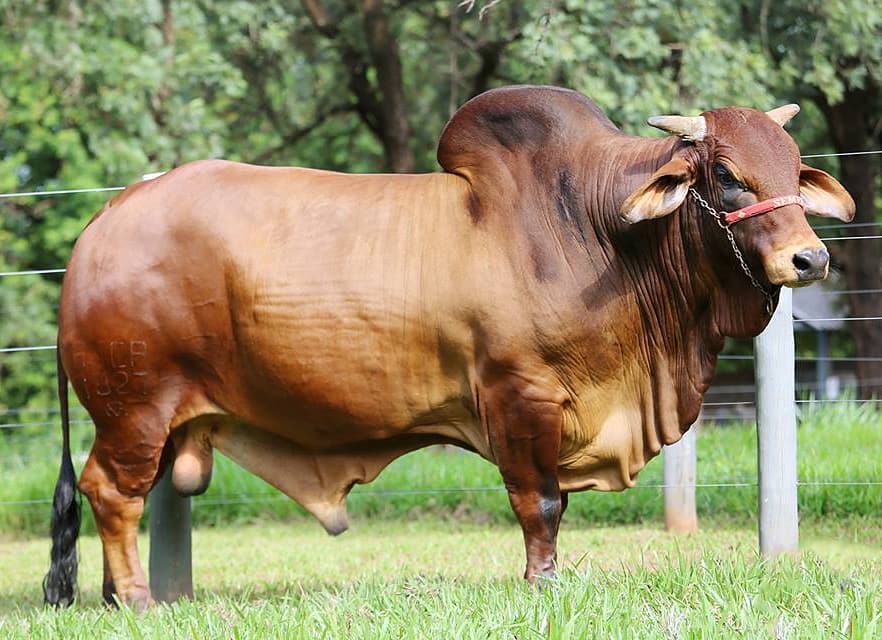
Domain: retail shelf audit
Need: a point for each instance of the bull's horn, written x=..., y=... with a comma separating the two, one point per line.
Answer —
x=783, y=114
x=688, y=128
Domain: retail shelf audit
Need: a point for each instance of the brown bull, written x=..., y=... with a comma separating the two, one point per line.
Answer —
x=314, y=326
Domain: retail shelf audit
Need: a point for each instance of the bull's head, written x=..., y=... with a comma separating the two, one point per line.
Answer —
x=739, y=158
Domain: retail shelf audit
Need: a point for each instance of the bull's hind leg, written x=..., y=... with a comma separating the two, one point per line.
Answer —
x=117, y=515
x=122, y=468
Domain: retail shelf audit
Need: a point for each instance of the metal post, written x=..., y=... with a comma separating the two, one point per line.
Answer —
x=680, y=463
x=776, y=431
x=171, y=567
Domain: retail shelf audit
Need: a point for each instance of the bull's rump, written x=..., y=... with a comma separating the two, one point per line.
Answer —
x=308, y=303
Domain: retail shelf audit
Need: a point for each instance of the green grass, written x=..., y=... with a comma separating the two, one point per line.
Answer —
x=444, y=579
x=841, y=442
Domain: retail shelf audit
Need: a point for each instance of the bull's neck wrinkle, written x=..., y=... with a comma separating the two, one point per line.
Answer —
x=658, y=260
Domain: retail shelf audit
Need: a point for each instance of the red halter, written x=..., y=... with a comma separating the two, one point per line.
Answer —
x=762, y=207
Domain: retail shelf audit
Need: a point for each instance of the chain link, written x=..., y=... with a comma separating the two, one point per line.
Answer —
x=718, y=218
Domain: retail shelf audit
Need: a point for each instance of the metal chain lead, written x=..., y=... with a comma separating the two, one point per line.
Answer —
x=718, y=218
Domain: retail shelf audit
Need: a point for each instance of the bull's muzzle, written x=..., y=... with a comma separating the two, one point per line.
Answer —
x=797, y=265
x=811, y=264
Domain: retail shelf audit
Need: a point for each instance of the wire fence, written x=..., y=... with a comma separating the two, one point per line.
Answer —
x=52, y=347
x=249, y=498
x=11, y=427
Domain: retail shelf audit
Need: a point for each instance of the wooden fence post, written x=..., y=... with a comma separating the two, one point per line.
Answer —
x=171, y=567
x=679, y=462
x=776, y=431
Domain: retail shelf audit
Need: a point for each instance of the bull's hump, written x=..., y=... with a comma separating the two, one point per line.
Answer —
x=519, y=120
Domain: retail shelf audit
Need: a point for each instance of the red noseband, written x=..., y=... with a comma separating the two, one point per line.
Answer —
x=763, y=207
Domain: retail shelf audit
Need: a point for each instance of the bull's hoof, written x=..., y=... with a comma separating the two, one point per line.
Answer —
x=137, y=599
x=142, y=604
x=539, y=577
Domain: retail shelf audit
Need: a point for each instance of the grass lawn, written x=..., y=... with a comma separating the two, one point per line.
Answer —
x=436, y=578
x=426, y=561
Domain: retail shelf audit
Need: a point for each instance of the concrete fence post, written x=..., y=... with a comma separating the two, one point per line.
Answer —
x=776, y=431
x=171, y=566
x=680, y=470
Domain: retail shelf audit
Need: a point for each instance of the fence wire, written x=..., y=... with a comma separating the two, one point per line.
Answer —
x=50, y=347
x=150, y=176
x=850, y=238
x=230, y=499
x=59, y=192
x=245, y=498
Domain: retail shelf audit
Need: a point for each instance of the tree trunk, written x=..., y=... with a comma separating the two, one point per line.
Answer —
x=850, y=125
x=383, y=108
x=394, y=128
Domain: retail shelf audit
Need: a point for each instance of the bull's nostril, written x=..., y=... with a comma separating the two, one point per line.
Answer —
x=801, y=262
x=811, y=263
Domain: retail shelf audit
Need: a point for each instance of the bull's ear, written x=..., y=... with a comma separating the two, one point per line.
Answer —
x=662, y=193
x=823, y=195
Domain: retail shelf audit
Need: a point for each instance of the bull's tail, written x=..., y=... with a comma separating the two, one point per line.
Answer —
x=60, y=584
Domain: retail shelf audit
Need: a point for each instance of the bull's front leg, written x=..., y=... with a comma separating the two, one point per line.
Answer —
x=525, y=434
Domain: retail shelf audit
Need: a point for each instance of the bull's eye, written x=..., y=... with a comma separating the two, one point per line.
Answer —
x=725, y=177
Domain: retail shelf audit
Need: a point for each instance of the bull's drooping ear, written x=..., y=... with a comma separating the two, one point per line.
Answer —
x=662, y=193
x=823, y=195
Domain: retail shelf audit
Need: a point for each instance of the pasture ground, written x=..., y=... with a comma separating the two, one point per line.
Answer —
x=433, y=578
x=425, y=559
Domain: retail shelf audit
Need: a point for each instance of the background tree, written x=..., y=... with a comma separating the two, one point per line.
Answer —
x=830, y=53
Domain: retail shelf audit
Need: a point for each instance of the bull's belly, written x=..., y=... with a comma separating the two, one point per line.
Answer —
x=341, y=360
x=321, y=425
x=327, y=394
